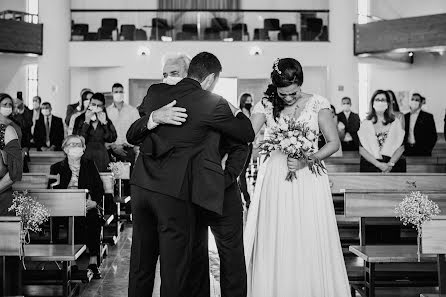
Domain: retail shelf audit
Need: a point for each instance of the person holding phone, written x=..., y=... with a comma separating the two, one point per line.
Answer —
x=97, y=129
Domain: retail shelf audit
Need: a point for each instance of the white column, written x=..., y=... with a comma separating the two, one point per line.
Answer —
x=54, y=82
x=343, y=65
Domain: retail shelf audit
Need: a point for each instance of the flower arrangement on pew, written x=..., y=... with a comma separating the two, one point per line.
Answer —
x=32, y=213
x=119, y=170
x=416, y=209
x=295, y=139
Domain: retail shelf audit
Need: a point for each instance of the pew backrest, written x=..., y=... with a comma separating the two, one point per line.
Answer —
x=392, y=181
x=382, y=203
x=61, y=202
x=39, y=167
x=10, y=231
x=125, y=173
x=434, y=236
x=49, y=157
x=32, y=181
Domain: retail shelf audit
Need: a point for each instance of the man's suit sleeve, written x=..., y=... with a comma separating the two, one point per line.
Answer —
x=223, y=120
x=59, y=134
x=237, y=155
x=431, y=131
x=38, y=136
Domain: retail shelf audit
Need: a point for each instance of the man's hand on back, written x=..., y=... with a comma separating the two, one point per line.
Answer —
x=170, y=114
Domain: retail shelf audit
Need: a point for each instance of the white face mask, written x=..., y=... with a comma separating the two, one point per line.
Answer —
x=6, y=111
x=172, y=80
x=414, y=105
x=118, y=97
x=380, y=106
x=46, y=112
x=75, y=152
x=346, y=107
x=95, y=109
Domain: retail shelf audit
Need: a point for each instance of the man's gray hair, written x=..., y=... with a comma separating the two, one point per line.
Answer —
x=177, y=58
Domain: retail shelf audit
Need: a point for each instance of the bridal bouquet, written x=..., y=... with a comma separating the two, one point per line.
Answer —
x=120, y=170
x=295, y=139
x=415, y=209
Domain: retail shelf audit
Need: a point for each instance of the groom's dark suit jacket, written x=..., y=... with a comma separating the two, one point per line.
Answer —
x=170, y=154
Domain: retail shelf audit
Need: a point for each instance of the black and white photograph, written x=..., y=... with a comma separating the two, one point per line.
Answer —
x=223, y=148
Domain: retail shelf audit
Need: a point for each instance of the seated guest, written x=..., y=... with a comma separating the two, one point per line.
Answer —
x=351, y=122
x=85, y=98
x=341, y=131
x=381, y=137
x=11, y=164
x=97, y=129
x=396, y=109
x=49, y=131
x=421, y=133
x=77, y=172
x=75, y=107
x=36, y=113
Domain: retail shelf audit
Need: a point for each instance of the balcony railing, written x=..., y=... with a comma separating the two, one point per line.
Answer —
x=200, y=25
x=19, y=16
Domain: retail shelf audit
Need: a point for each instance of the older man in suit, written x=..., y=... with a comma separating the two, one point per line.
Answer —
x=49, y=130
x=178, y=170
x=348, y=124
x=421, y=133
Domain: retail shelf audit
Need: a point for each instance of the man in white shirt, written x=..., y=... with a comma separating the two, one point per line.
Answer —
x=421, y=133
x=122, y=116
x=348, y=126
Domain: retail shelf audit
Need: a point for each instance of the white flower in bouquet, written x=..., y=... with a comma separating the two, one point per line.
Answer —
x=415, y=209
x=311, y=136
x=32, y=213
x=293, y=140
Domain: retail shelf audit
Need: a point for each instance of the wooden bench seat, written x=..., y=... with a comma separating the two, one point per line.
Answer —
x=53, y=252
x=32, y=181
x=46, y=157
x=390, y=254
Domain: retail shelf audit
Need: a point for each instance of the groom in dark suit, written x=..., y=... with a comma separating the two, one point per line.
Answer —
x=175, y=171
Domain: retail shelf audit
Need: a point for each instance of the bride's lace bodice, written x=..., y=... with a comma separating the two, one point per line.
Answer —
x=309, y=114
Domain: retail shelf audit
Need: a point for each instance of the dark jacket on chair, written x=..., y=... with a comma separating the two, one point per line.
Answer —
x=351, y=126
x=56, y=133
x=170, y=154
x=425, y=134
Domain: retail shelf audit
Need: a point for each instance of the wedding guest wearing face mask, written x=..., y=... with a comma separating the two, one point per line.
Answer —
x=78, y=172
x=11, y=164
x=175, y=68
x=246, y=107
x=36, y=112
x=97, y=129
x=23, y=117
x=85, y=98
x=348, y=126
x=381, y=137
x=76, y=107
x=49, y=131
x=122, y=116
x=421, y=133
x=396, y=109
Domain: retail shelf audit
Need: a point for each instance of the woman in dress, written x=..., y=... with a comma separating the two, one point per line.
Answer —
x=77, y=172
x=11, y=163
x=381, y=137
x=97, y=129
x=292, y=244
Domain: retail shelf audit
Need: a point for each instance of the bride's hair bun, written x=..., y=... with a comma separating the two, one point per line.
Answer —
x=286, y=72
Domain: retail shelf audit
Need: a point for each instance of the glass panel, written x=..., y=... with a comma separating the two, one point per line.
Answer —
x=211, y=25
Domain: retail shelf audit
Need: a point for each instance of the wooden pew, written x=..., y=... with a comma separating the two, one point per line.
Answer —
x=381, y=204
x=434, y=242
x=39, y=167
x=110, y=206
x=60, y=203
x=46, y=157
x=10, y=253
x=122, y=200
x=31, y=181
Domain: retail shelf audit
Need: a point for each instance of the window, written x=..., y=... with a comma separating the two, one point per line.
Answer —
x=363, y=11
x=32, y=7
x=227, y=88
x=32, y=82
x=363, y=68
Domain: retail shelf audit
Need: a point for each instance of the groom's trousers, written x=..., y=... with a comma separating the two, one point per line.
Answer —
x=162, y=226
x=228, y=232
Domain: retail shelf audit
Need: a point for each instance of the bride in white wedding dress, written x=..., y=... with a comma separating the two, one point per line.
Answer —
x=292, y=245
